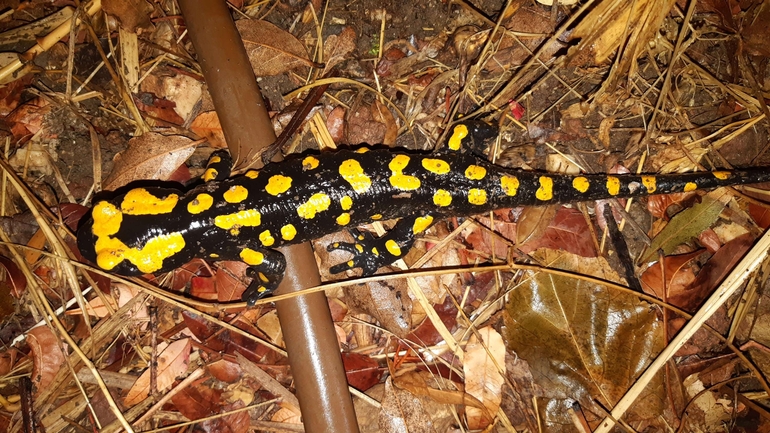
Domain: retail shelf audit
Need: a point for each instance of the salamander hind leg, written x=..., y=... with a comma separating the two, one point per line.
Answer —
x=370, y=253
x=266, y=269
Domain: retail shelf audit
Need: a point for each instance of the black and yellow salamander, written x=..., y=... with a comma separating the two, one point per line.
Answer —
x=244, y=218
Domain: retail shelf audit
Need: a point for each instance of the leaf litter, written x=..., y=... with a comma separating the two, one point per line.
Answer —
x=648, y=87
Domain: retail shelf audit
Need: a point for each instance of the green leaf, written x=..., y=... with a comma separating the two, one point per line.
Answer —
x=687, y=225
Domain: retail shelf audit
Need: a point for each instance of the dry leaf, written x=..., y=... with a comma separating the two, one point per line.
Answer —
x=416, y=382
x=47, y=356
x=150, y=156
x=605, y=127
x=207, y=125
x=484, y=362
x=183, y=90
x=270, y=325
x=381, y=114
x=130, y=13
x=125, y=295
x=362, y=371
x=172, y=362
x=338, y=47
x=285, y=415
x=271, y=50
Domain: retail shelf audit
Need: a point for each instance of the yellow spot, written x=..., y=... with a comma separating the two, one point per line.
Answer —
x=248, y=218
x=235, y=231
x=721, y=175
x=346, y=202
x=376, y=217
x=399, y=179
x=442, y=198
x=216, y=159
x=235, y=194
x=455, y=141
x=139, y=201
x=343, y=219
x=252, y=174
x=375, y=251
x=359, y=248
x=278, y=184
x=351, y=171
x=393, y=247
x=202, y=202
x=690, y=186
x=107, y=219
x=351, y=263
x=214, y=255
x=252, y=257
x=110, y=252
x=261, y=289
x=545, y=192
x=422, y=223
x=309, y=163
x=266, y=238
x=436, y=166
x=613, y=185
x=475, y=172
x=581, y=184
x=477, y=196
x=510, y=185
x=262, y=277
x=210, y=174
x=650, y=183
x=288, y=232
x=362, y=150
x=318, y=202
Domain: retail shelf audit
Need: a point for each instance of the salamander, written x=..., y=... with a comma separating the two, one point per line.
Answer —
x=153, y=229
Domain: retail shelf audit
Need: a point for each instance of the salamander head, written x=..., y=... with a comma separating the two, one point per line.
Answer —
x=480, y=130
x=132, y=234
x=470, y=135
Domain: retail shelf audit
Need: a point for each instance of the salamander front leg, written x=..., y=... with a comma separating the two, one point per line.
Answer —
x=370, y=253
x=266, y=268
x=218, y=166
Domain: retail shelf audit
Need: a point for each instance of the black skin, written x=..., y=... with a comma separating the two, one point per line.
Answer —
x=382, y=200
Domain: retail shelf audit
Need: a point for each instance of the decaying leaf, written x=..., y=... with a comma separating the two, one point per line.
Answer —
x=679, y=275
x=584, y=342
x=387, y=301
x=271, y=50
x=404, y=412
x=150, y=156
x=568, y=231
x=172, y=362
x=533, y=222
x=484, y=367
x=362, y=371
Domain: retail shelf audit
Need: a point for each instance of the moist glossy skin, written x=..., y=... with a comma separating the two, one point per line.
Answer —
x=151, y=230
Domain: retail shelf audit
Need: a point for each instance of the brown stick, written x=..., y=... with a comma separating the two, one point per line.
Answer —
x=306, y=322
